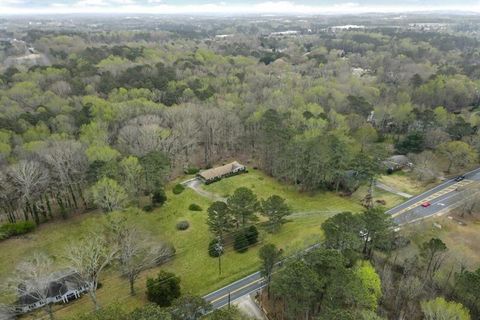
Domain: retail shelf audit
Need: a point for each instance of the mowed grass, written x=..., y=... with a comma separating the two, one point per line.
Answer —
x=391, y=199
x=198, y=272
x=265, y=186
x=403, y=182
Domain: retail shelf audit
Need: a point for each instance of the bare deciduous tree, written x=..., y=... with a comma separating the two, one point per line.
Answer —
x=88, y=258
x=470, y=200
x=29, y=179
x=425, y=166
x=32, y=280
x=137, y=253
x=69, y=163
x=144, y=134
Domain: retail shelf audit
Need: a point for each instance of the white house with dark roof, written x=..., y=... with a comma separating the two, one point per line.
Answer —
x=67, y=287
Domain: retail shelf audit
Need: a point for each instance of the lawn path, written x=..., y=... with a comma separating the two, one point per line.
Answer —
x=392, y=190
x=195, y=184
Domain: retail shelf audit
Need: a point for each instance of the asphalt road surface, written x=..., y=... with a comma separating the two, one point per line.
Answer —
x=235, y=290
x=442, y=197
x=249, y=284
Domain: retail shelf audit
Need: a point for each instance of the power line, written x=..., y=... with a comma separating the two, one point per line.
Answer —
x=120, y=285
x=228, y=243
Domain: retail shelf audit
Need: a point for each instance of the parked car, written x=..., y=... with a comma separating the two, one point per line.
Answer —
x=426, y=204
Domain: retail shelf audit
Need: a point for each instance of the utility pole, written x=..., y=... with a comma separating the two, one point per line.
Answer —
x=228, y=299
x=219, y=249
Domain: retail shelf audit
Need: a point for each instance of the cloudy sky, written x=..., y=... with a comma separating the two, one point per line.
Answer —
x=233, y=6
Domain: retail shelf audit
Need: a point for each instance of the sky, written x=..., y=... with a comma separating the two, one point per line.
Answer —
x=9, y=7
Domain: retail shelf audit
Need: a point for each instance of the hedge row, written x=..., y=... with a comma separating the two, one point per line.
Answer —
x=14, y=229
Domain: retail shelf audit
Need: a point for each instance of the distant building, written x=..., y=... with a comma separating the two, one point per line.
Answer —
x=285, y=33
x=223, y=36
x=347, y=27
x=69, y=286
x=227, y=170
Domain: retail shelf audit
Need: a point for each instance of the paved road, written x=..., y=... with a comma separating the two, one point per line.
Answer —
x=441, y=197
x=249, y=284
x=236, y=290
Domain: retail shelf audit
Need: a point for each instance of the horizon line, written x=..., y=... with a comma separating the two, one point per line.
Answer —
x=285, y=8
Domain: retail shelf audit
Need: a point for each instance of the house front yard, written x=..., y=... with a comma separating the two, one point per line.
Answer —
x=198, y=272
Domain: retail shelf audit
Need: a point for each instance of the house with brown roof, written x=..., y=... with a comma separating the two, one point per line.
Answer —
x=227, y=170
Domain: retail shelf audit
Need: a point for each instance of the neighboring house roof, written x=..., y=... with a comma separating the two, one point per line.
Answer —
x=397, y=162
x=221, y=171
x=66, y=281
x=399, y=159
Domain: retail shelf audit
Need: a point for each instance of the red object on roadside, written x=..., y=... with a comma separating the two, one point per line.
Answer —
x=426, y=204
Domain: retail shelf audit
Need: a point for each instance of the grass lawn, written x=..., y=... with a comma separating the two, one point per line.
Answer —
x=198, y=271
x=390, y=199
x=403, y=182
x=265, y=186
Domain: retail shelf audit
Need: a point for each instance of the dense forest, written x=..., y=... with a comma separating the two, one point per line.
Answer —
x=319, y=110
x=102, y=117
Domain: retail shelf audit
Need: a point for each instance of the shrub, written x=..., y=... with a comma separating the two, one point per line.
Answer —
x=14, y=229
x=183, y=225
x=159, y=197
x=213, y=249
x=178, y=188
x=163, y=289
x=3, y=235
x=148, y=208
x=241, y=243
x=191, y=170
x=251, y=233
x=194, y=207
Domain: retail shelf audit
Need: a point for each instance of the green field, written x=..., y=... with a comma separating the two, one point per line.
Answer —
x=265, y=186
x=198, y=271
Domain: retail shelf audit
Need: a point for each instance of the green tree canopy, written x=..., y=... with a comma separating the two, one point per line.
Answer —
x=108, y=195
x=275, y=209
x=439, y=309
x=243, y=204
x=163, y=289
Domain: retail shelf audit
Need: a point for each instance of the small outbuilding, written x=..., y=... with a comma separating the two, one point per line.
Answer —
x=227, y=170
